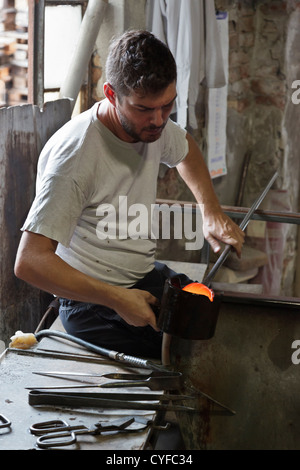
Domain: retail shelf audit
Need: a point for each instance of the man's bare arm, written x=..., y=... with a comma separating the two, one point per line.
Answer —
x=217, y=226
x=37, y=264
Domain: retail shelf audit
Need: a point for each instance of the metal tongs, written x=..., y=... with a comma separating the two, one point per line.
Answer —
x=129, y=401
x=154, y=381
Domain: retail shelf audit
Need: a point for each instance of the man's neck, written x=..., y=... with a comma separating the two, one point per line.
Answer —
x=108, y=116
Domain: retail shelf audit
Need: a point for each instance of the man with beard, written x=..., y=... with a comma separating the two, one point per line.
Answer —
x=108, y=285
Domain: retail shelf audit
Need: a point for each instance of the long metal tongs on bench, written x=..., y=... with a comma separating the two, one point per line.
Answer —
x=159, y=382
x=129, y=401
x=66, y=375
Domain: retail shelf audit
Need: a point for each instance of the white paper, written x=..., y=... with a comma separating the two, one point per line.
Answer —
x=217, y=111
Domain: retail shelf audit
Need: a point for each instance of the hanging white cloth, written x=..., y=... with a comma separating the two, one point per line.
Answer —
x=189, y=28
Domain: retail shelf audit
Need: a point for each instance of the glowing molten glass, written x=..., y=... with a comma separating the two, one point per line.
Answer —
x=200, y=289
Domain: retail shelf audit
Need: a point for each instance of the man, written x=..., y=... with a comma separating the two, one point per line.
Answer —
x=108, y=286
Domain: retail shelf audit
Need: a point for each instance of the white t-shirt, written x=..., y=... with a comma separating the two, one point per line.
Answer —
x=85, y=175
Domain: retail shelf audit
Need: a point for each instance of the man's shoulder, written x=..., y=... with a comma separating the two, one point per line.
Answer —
x=174, y=127
x=173, y=131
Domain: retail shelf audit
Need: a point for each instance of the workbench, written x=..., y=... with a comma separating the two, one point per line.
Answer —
x=17, y=369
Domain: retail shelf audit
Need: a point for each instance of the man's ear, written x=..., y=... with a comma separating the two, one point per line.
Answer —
x=109, y=93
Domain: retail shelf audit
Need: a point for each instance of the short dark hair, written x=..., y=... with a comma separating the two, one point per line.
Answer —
x=139, y=61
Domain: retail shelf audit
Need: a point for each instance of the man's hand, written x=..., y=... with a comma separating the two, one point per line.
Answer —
x=218, y=227
x=134, y=306
x=38, y=264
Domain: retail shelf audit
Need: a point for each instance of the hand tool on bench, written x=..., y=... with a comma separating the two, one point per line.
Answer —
x=58, y=433
x=118, y=375
x=154, y=383
x=113, y=375
x=141, y=396
x=115, y=355
x=116, y=400
x=134, y=401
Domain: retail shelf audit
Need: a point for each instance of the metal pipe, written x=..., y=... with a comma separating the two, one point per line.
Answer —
x=89, y=30
x=264, y=215
x=240, y=212
x=36, y=37
x=115, y=355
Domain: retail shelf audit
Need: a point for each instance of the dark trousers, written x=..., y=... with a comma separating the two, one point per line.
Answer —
x=104, y=327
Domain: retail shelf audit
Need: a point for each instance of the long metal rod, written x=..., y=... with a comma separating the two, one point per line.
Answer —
x=263, y=215
x=240, y=212
x=243, y=225
x=60, y=355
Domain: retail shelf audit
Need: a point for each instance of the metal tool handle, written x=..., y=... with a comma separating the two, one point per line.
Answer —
x=137, y=362
x=57, y=439
x=243, y=225
x=45, y=427
x=4, y=422
x=115, y=355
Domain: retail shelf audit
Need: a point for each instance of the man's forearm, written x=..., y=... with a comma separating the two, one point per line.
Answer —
x=194, y=172
x=37, y=264
x=216, y=225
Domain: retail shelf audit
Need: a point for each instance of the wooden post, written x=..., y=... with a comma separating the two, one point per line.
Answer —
x=23, y=132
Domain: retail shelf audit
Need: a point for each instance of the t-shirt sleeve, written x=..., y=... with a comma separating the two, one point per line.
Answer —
x=56, y=208
x=174, y=144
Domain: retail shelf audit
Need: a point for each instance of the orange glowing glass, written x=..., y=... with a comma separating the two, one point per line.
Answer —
x=200, y=289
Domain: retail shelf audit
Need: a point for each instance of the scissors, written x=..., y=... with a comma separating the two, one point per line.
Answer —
x=58, y=433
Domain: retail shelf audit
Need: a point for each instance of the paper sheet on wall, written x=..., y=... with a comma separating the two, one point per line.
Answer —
x=217, y=111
